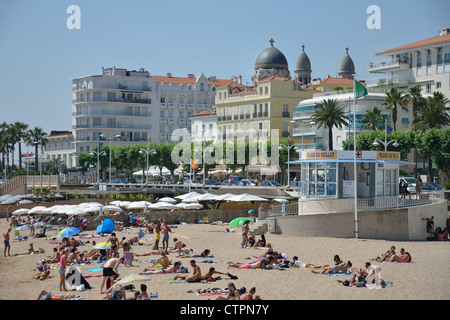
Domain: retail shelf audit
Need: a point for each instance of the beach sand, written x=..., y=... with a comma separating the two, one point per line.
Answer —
x=425, y=279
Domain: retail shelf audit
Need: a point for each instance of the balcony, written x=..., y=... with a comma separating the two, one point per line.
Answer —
x=190, y=107
x=171, y=106
x=182, y=107
x=171, y=121
x=132, y=100
x=163, y=136
x=163, y=106
x=163, y=120
x=181, y=122
x=388, y=65
x=306, y=131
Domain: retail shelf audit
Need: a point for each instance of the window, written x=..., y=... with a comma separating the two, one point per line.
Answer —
x=266, y=90
x=428, y=87
x=419, y=64
x=163, y=99
x=440, y=61
x=438, y=85
x=428, y=62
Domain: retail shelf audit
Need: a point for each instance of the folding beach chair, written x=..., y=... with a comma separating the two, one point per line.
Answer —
x=128, y=256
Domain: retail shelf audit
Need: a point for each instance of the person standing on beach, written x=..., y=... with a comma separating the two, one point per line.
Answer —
x=157, y=230
x=245, y=231
x=430, y=226
x=165, y=241
x=62, y=269
x=8, y=213
x=6, y=238
x=114, y=244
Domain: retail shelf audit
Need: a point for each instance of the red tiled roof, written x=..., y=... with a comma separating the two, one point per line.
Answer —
x=419, y=44
x=343, y=81
x=186, y=80
x=206, y=112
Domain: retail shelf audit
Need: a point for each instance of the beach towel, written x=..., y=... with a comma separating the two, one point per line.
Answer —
x=212, y=293
x=183, y=281
x=337, y=274
x=97, y=269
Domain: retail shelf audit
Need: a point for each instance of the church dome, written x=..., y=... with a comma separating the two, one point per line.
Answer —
x=346, y=67
x=271, y=58
x=303, y=63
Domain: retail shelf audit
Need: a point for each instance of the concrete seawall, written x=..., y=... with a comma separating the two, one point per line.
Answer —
x=394, y=224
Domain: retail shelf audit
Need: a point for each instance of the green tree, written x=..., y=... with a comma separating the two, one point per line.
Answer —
x=395, y=99
x=434, y=114
x=329, y=114
x=372, y=119
x=428, y=144
x=36, y=136
x=414, y=96
x=20, y=133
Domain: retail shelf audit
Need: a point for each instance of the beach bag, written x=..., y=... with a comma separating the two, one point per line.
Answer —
x=346, y=283
x=184, y=270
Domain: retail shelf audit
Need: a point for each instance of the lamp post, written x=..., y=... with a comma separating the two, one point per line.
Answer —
x=110, y=138
x=98, y=153
x=377, y=142
x=147, y=152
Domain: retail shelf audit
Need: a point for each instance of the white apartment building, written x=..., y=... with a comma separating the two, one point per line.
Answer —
x=61, y=146
x=131, y=107
x=204, y=126
x=313, y=138
x=425, y=63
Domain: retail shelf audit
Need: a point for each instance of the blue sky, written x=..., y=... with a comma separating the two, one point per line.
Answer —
x=39, y=55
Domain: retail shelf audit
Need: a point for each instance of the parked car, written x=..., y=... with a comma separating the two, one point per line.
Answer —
x=429, y=186
x=192, y=182
x=247, y=182
x=140, y=181
x=2, y=180
x=212, y=182
x=237, y=178
x=120, y=180
x=270, y=183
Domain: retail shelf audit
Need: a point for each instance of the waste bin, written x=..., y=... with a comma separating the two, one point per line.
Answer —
x=271, y=224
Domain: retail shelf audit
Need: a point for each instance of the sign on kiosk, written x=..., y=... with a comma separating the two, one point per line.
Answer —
x=388, y=155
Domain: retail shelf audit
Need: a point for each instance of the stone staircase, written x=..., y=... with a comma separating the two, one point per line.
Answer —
x=259, y=227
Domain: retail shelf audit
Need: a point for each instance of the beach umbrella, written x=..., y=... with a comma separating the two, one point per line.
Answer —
x=181, y=205
x=20, y=211
x=133, y=278
x=36, y=209
x=25, y=202
x=239, y=221
x=281, y=200
x=167, y=199
x=208, y=197
x=112, y=208
x=192, y=194
x=104, y=245
x=68, y=232
x=23, y=227
x=246, y=197
x=194, y=206
x=107, y=226
x=225, y=197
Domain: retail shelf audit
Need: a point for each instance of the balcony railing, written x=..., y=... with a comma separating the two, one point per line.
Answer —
x=136, y=100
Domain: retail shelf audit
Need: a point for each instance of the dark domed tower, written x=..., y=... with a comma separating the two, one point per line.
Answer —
x=270, y=62
x=303, y=68
x=346, y=67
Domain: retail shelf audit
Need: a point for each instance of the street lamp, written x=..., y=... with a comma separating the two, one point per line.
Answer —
x=98, y=153
x=148, y=151
x=377, y=142
x=110, y=138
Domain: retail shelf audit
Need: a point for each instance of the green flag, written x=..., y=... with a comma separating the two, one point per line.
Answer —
x=360, y=90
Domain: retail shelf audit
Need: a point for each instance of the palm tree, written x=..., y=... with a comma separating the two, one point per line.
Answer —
x=21, y=133
x=372, y=119
x=415, y=97
x=3, y=142
x=330, y=114
x=36, y=136
x=393, y=100
x=434, y=114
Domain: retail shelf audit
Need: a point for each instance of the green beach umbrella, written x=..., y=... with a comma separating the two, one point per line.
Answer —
x=239, y=221
x=68, y=232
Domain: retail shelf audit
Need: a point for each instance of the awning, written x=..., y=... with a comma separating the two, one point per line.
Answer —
x=351, y=161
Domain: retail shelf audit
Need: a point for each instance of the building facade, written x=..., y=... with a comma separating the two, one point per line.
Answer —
x=131, y=107
x=425, y=63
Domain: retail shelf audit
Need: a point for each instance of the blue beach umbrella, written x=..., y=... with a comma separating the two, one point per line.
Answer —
x=107, y=226
x=68, y=232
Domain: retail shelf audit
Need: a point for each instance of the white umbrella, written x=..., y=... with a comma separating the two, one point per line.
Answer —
x=225, y=197
x=25, y=202
x=247, y=197
x=194, y=206
x=188, y=195
x=37, y=209
x=77, y=210
x=23, y=227
x=112, y=208
x=190, y=200
x=208, y=197
x=181, y=205
x=20, y=211
x=167, y=199
x=281, y=200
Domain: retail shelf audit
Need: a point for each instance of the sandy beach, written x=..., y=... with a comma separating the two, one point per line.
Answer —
x=424, y=279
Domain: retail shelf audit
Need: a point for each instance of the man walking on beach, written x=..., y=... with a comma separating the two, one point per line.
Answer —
x=6, y=242
x=110, y=270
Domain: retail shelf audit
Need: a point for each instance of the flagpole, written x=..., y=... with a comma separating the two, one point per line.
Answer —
x=349, y=134
x=354, y=161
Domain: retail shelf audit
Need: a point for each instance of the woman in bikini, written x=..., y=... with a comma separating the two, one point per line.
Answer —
x=406, y=257
x=245, y=231
x=233, y=294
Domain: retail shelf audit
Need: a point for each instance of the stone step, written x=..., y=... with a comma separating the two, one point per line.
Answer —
x=259, y=227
